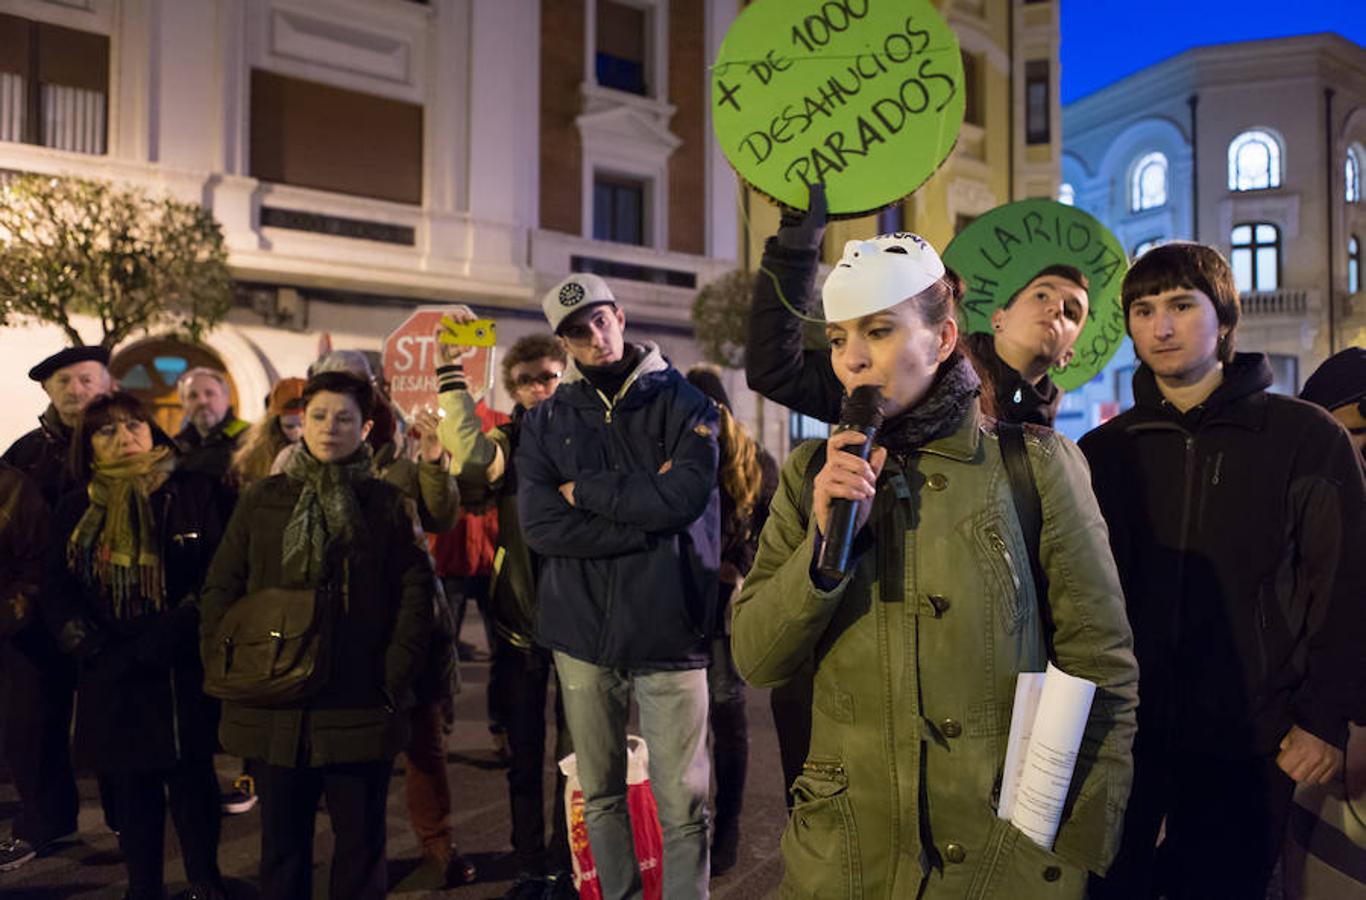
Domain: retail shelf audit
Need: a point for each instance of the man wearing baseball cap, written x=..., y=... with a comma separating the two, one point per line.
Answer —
x=617, y=495
x=38, y=679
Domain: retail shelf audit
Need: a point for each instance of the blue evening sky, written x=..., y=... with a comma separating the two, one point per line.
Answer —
x=1105, y=40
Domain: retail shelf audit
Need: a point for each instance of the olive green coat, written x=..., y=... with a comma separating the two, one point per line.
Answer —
x=916, y=654
x=379, y=641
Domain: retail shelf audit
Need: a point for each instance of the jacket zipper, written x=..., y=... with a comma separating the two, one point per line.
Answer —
x=612, y=580
x=621, y=392
x=170, y=674
x=999, y=544
x=829, y=770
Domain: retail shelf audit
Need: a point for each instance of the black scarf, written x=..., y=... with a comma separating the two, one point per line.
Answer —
x=608, y=379
x=939, y=412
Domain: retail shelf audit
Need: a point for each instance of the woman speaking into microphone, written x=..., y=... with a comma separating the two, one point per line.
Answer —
x=917, y=633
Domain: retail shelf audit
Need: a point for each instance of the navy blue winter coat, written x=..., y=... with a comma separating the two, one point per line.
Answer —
x=629, y=572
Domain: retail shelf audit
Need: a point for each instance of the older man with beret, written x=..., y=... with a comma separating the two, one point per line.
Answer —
x=71, y=378
x=38, y=680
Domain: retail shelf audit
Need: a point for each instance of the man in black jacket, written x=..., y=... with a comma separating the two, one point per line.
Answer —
x=617, y=494
x=39, y=681
x=211, y=430
x=1033, y=332
x=1235, y=516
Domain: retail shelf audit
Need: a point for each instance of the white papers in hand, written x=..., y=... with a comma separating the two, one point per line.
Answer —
x=1046, y=726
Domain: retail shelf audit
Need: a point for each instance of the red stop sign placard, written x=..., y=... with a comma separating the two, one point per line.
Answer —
x=410, y=353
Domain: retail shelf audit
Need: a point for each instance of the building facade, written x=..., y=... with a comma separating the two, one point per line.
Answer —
x=1255, y=148
x=367, y=157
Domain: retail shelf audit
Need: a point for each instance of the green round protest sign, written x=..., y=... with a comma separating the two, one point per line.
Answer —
x=863, y=96
x=1002, y=251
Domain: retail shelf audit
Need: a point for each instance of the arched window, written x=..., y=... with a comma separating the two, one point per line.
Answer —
x=1256, y=256
x=1067, y=195
x=1353, y=265
x=1148, y=183
x=1351, y=175
x=1254, y=161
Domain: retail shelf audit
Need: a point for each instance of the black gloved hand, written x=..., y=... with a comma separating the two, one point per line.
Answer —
x=798, y=230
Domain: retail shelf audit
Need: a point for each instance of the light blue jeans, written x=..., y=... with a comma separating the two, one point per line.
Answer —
x=673, y=721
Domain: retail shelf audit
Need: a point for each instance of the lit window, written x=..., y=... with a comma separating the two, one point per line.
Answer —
x=1144, y=246
x=1254, y=162
x=1067, y=195
x=1148, y=183
x=54, y=86
x=1256, y=257
x=618, y=210
x=621, y=52
x=1351, y=181
x=1353, y=265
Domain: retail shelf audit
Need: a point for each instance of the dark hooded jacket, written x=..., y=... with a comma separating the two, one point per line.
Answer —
x=777, y=365
x=628, y=573
x=1237, y=530
x=42, y=455
x=23, y=533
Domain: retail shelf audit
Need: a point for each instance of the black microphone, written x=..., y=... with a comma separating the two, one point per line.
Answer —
x=862, y=411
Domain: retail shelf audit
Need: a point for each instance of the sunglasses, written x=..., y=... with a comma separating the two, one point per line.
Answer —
x=544, y=379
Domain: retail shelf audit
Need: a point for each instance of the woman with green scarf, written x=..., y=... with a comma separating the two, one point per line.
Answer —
x=326, y=523
x=121, y=587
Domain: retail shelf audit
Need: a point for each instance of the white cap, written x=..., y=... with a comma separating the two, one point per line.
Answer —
x=878, y=274
x=576, y=292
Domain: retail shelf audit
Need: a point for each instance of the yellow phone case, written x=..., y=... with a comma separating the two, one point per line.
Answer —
x=479, y=333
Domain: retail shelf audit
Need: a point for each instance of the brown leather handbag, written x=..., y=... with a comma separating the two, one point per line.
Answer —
x=272, y=648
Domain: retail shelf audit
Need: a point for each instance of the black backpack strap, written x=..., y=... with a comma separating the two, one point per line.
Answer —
x=1024, y=493
x=813, y=468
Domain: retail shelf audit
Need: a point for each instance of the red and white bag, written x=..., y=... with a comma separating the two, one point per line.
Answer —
x=649, y=837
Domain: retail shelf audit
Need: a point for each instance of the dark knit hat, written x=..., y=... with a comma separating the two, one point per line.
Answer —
x=68, y=357
x=1339, y=381
x=709, y=383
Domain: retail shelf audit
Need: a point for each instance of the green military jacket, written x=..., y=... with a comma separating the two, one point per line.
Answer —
x=915, y=659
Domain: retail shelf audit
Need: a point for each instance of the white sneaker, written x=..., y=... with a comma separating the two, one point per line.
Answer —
x=242, y=797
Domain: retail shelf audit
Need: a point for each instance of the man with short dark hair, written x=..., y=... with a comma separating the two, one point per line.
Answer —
x=1033, y=332
x=617, y=495
x=1235, y=516
x=211, y=431
x=39, y=680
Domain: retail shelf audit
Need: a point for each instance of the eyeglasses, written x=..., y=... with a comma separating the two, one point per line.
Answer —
x=544, y=379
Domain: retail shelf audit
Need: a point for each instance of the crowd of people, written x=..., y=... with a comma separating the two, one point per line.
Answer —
x=289, y=593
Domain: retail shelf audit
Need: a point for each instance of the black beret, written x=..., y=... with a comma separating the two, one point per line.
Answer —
x=68, y=357
x=1339, y=381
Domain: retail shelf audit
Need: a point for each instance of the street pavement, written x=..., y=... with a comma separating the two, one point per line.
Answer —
x=90, y=866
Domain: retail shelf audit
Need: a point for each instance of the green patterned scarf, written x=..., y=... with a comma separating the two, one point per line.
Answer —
x=114, y=546
x=326, y=518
